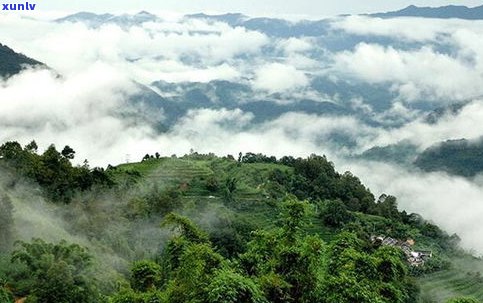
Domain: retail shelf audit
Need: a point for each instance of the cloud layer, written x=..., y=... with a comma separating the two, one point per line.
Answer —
x=439, y=63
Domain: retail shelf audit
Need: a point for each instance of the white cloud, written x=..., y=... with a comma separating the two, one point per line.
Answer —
x=82, y=107
x=409, y=29
x=277, y=77
x=453, y=203
x=415, y=74
x=465, y=124
x=295, y=45
x=209, y=49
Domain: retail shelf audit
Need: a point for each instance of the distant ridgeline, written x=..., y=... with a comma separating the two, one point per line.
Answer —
x=443, y=12
x=459, y=157
x=18, y=6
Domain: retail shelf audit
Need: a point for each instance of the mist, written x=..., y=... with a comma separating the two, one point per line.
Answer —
x=82, y=100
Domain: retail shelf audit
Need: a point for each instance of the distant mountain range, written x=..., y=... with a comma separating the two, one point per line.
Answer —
x=443, y=12
x=12, y=63
x=269, y=26
x=274, y=26
x=96, y=20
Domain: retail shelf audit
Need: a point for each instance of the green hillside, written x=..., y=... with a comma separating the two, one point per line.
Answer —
x=202, y=228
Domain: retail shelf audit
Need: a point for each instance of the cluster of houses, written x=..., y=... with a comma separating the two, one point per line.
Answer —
x=415, y=258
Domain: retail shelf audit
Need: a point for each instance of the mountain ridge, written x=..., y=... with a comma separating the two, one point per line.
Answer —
x=12, y=63
x=442, y=12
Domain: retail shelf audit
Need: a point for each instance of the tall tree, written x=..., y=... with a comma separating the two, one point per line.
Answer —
x=6, y=222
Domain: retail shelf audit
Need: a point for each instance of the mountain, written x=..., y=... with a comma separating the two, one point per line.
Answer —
x=443, y=12
x=244, y=222
x=402, y=153
x=178, y=98
x=12, y=63
x=459, y=157
x=89, y=18
x=234, y=19
x=96, y=20
x=270, y=26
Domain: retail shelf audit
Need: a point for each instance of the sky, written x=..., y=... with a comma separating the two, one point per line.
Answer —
x=307, y=8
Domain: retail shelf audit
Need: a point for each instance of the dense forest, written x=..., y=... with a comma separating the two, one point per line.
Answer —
x=203, y=228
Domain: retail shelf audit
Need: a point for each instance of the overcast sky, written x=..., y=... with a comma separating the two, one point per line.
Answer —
x=311, y=8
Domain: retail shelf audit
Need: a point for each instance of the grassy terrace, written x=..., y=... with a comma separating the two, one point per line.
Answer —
x=463, y=279
x=253, y=204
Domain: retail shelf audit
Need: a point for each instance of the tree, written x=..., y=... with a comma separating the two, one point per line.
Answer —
x=6, y=223
x=227, y=286
x=386, y=206
x=10, y=150
x=187, y=228
x=288, y=264
x=32, y=147
x=334, y=214
x=145, y=275
x=68, y=152
x=355, y=275
x=60, y=272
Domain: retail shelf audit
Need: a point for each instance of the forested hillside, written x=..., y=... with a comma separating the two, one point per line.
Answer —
x=12, y=63
x=459, y=157
x=202, y=228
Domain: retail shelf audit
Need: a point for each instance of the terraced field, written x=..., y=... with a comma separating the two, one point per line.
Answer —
x=252, y=202
x=250, y=199
x=464, y=279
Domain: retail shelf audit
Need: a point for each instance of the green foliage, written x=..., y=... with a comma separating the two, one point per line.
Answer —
x=357, y=276
x=334, y=213
x=59, y=272
x=288, y=263
x=229, y=189
x=5, y=295
x=187, y=229
x=260, y=249
x=130, y=296
x=434, y=264
x=162, y=201
x=52, y=170
x=196, y=268
x=227, y=286
x=315, y=179
x=145, y=275
x=230, y=235
x=386, y=207
x=6, y=223
x=293, y=218
x=459, y=157
x=212, y=184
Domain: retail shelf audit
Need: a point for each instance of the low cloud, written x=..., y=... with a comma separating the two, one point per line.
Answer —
x=416, y=74
x=464, y=124
x=84, y=106
x=408, y=29
x=277, y=77
x=454, y=203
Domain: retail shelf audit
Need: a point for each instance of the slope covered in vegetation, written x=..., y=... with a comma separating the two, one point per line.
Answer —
x=202, y=228
x=459, y=157
x=12, y=63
